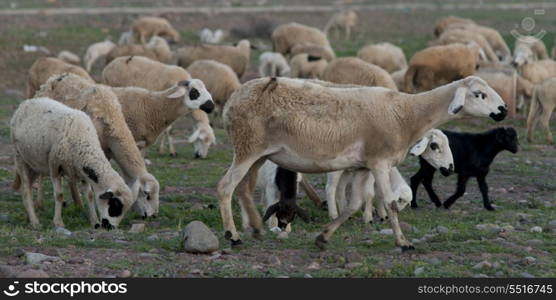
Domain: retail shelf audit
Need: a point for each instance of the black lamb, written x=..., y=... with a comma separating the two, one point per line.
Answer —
x=473, y=153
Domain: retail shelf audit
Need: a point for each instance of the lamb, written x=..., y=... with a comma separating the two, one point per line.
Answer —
x=102, y=105
x=156, y=49
x=144, y=28
x=345, y=20
x=203, y=135
x=96, y=51
x=273, y=64
x=385, y=55
x=442, y=24
x=208, y=36
x=528, y=49
x=307, y=66
x=543, y=104
x=314, y=127
x=237, y=57
x=352, y=70
x=69, y=57
x=465, y=36
x=54, y=140
x=127, y=38
x=433, y=147
x=286, y=36
x=325, y=52
x=473, y=154
x=44, y=67
x=438, y=65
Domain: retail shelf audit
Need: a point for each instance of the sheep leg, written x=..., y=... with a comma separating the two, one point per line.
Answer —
x=171, y=148
x=39, y=202
x=368, y=195
x=225, y=189
x=162, y=147
x=384, y=188
x=27, y=178
x=76, y=193
x=59, y=199
x=341, y=191
x=354, y=205
x=462, y=182
x=415, y=181
x=93, y=217
x=245, y=191
x=427, y=183
x=348, y=32
x=481, y=180
x=271, y=197
x=545, y=123
x=332, y=180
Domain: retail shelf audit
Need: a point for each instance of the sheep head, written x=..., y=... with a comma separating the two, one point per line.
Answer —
x=474, y=97
x=194, y=94
x=435, y=149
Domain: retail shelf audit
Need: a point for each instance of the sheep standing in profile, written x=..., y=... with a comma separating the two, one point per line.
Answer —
x=344, y=20
x=51, y=139
x=144, y=28
x=273, y=64
x=543, y=104
x=96, y=51
x=385, y=55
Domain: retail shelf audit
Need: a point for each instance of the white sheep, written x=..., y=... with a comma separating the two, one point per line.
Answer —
x=208, y=36
x=385, y=55
x=96, y=51
x=144, y=28
x=127, y=38
x=528, y=49
x=345, y=20
x=433, y=147
x=54, y=140
x=313, y=127
x=69, y=57
x=273, y=64
x=543, y=104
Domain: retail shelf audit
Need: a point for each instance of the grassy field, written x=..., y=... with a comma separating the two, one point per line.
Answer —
x=522, y=185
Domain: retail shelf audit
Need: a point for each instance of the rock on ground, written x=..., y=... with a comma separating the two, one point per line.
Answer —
x=38, y=258
x=198, y=238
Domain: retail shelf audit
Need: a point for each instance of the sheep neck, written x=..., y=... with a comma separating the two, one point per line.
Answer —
x=166, y=114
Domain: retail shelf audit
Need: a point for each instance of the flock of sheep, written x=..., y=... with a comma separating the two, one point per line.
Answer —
x=354, y=118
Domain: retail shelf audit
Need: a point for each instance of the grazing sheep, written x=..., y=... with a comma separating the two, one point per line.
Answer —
x=44, y=67
x=438, y=65
x=203, y=135
x=543, y=104
x=237, y=57
x=465, y=36
x=385, y=55
x=208, y=36
x=345, y=20
x=273, y=64
x=491, y=35
x=156, y=49
x=101, y=104
x=528, y=49
x=96, y=51
x=307, y=66
x=399, y=77
x=69, y=57
x=352, y=70
x=127, y=38
x=325, y=52
x=538, y=71
x=51, y=139
x=473, y=154
x=144, y=28
x=445, y=22
x=219, y=79
x=313, y=127
x=433, y=147
x=286, y=36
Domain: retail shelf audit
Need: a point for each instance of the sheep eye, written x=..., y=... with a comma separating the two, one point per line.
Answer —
x=434, y=146
x=480, y=94
x=194, y=94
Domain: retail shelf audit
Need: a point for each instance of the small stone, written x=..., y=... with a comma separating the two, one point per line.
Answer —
x=198, y=238
x=64, y=232
x=507, y=228
x=227, y=251
x=152, y=237
x=534, y=242
x=307, y=276
x=125, y=274
x=197, y=206
x=536, y=229
x=32, y=274
x=480, y=275
x=282, y=235
x=493, y=228
x=283, y=276
x=499, y=274
x=526, y=275
x=529, y=260
x=38, y=258
x=353, y=257
x=415, y=241
x=482, y=265
x=501, y=191
x=353, y=265
x=523, y=218
x=367, y=241
x=434, y=261
x=552, y=226
x=195, y=271
x=387, y=231
x=442, y=229
x=427, y=236
x=419, y=271
x=406, y=227
x=527, y=161
x=137, y=228
x=495, y=265
x=313, y=266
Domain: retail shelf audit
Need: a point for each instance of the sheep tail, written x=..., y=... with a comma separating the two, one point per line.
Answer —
x=271, y=85
x=17, y=182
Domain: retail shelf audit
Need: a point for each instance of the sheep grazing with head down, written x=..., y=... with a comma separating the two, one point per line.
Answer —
x=464, y=36
x=352, y=70
x=286, y=36
x=528, y=49
x=491, y=35
x=433, y=147
x=445, y=22
x=315, y=127
x=203, y=135
x=144, y=28
x=44, y=67
x=307, y=66
x=51, y=139
x=157, y=49
x=273, y=64
x=69, y=57
x=543, y=104
x=385, y=55
x=237, y=57
x=102, y=105
x=96, y=51
x=343, y=20
x=325, y=52
x=473, y=154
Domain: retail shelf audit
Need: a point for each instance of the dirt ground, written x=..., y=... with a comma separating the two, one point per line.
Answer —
x=448, y=242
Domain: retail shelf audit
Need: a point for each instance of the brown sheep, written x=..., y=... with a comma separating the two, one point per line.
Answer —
x=342, y=20
x=307, y=66
x=448, y=21
x=44, y=67
x=325, y=52
x=285, y=36
x=146, y=27
x=465, y=36
x=352, y=70
x=385, y=55
x=543, y=104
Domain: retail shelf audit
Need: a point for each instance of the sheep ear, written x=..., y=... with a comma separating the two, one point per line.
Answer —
x=106, y=195
x=180, y=92
x=420, y=147
x=458, y=101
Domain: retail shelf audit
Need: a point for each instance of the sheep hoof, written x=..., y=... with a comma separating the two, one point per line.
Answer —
x=321, y=242
x=407, y=248
x=236, y=243
x=97, y=226
x=490, y=208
